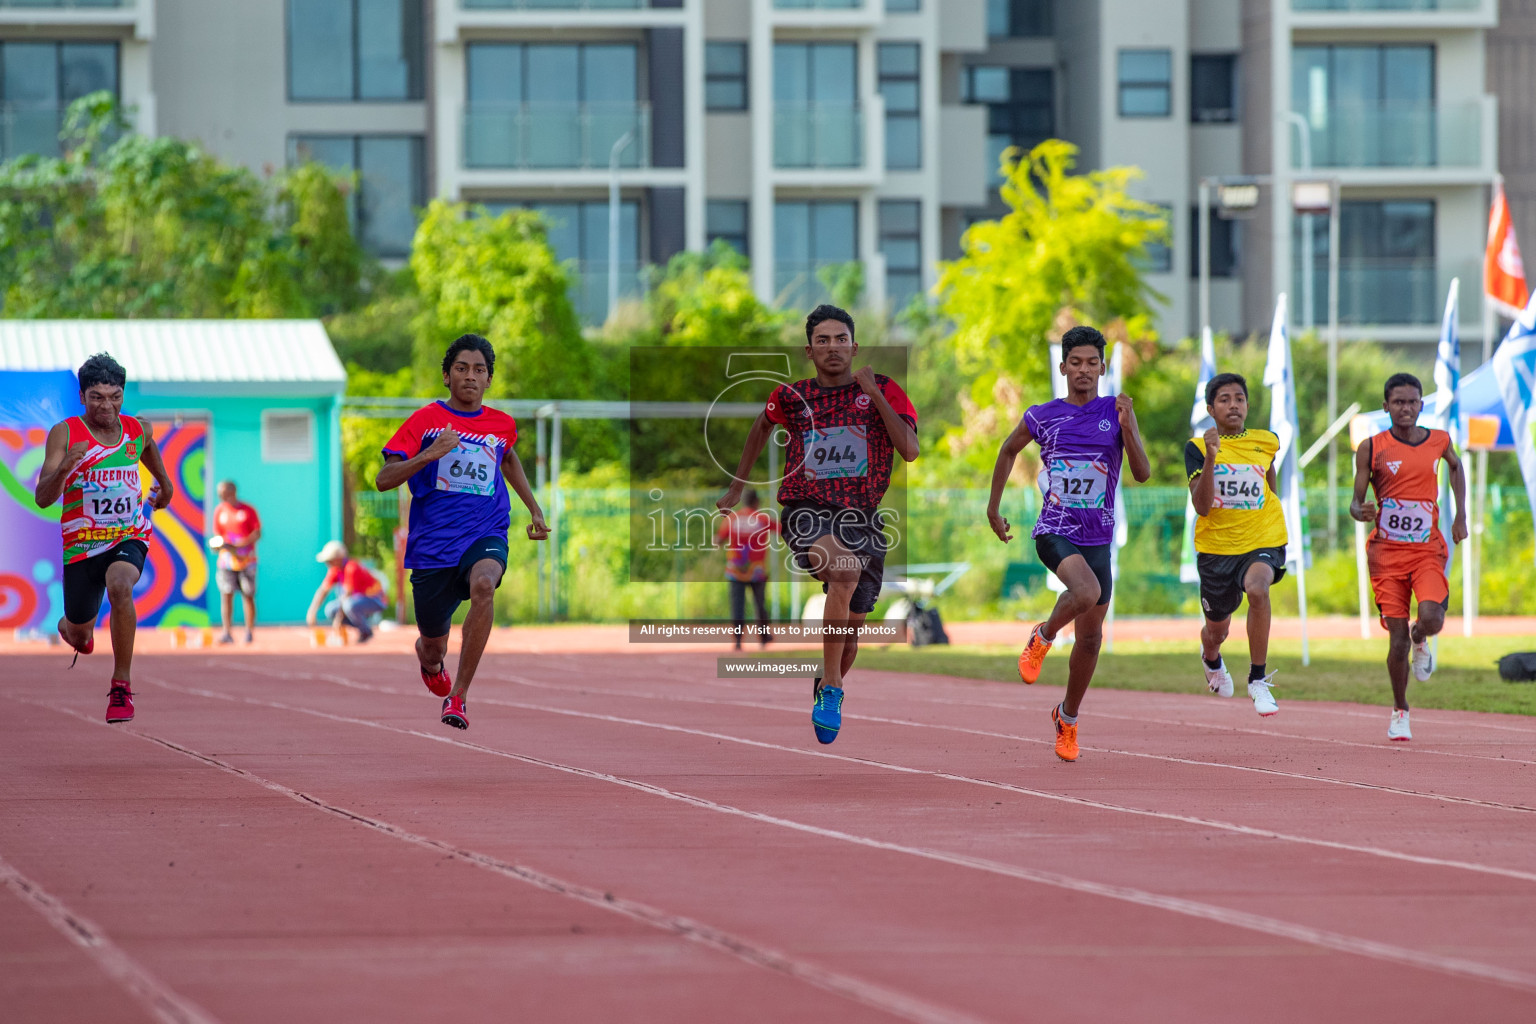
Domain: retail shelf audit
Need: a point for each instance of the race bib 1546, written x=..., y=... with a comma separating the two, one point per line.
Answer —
x=832, y=452
x=1239, y=485
x=469, y=469
x=1079, y=483
x=1411, y=522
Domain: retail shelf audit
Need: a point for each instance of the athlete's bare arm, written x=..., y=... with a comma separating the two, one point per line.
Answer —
x=150, y=456
x=397, y=470
x=1359, y=508
x=1006, y=455
x=757, y=440
x=59, y=460
x=902, y=435
x=512, y=469
x=1135, y=451
x=1459, y=489
x=1202, y=487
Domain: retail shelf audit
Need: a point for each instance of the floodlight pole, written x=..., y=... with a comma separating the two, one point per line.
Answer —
x=1204, y=214
x=1334, y=200
x=1308, y=258
x=613, y=218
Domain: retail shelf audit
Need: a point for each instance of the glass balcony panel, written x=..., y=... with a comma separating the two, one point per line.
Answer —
x=589, y=287
x=817, y=135
x=1394, y=135
x=1385, y=5
x=825, y=5
x=798, y=286
x=29, y=128
x=542, y=136
x=68, y=4
x=551, y=5
x=1395, y=291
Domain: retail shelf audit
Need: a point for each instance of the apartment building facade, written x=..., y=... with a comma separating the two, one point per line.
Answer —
x=805, y=132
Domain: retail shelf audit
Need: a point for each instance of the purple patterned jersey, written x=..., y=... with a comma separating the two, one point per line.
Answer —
x=1081, y=451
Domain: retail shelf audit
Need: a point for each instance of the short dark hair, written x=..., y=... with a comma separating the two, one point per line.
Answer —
x=824, y=312
x=749, y=499
x=1220, y=381
x=1400, y=380
x=101, y=369
x=465, y=342
x=1080, y=336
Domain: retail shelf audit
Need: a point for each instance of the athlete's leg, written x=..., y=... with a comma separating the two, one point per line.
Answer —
x=1089, y=635
x=483, y=579
x=738, y=591
x=430, y=651
x=248, y=597
x=760, y=599
x=121, y=576
x=1080, y=598
x=1397, y=660
x=76, y=634
x=1256, y=584
x=1430, y=622
x=1213, y=635
x=851, y=645
x=837, y=567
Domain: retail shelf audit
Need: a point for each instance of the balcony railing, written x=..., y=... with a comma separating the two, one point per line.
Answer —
x=826, y=5
x=1404, y=291
x=589, y=287
x=799, y=285
x=29, y=128
x=67, y=4
x=1385, y=5
x=549, y=136
x=552, y=5
x=817, y=135
x=1387, y=135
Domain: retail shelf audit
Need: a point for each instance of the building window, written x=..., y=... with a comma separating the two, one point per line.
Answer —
x=1213, y=88
x=903, y=119
x=578, y=233
x=349, y=50
x=901, y=242
x=1366, y=106
x=38, y=81
x=391, y=184
x=902, y=6
x=1387, y=272
x=725, y=76
x=1021, y=108
x=1225, y=239
x=816, y=116
x=726, y=220
x=1157, y=258
x=1146, y=83
x=1018, y=18
x=807, y=237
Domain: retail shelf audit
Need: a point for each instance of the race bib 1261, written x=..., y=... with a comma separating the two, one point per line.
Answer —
x=469, y=469
x=111, y=499
x=1239, y=485
x=1079, y=483
x=1410, y=522
x=832, y=452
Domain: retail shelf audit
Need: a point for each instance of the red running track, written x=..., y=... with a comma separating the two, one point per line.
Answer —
x=621, y=837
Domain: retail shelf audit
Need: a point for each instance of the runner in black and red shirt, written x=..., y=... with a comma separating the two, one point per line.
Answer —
x=843, y=428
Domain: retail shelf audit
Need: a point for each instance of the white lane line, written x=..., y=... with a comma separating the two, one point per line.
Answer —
x=147, y=990
x=1323, y=938
x=878, y=997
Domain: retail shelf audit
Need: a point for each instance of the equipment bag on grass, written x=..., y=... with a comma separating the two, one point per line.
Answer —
x=1519, y=667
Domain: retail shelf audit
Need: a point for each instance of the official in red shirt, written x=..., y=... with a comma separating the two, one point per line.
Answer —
x=236, y=529
x=745, y=532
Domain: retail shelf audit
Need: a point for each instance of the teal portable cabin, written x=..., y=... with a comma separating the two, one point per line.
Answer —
x=253, y=401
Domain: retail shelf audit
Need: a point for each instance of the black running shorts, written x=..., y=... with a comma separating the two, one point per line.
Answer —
x=85, y=581
x=437, y=593
x=1054, y=549
x=1221, y=578
x=804, y=523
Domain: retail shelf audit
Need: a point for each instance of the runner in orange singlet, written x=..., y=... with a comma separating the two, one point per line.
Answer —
x=1406, y=551
x=92, y=462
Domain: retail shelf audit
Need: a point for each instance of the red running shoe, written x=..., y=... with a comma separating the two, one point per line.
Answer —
x=454, y=713
x=438, y=682
x=90, y=645
x=119, y=703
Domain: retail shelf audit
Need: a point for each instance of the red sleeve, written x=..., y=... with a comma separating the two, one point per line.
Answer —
x=406, y=442
x=511, y=432
x=218, y=521
x=332, y=576
x=255, y=518
x=899, y=401
x=774, y=410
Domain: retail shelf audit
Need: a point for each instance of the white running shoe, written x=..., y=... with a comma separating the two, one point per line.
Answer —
x=1399, y=730
x=1423, y=662
x=1218, y=679
x=1263, y=700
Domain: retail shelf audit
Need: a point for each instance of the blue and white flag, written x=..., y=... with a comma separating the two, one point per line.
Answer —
x=1199, y=422
x=1447, y=399
x=1514, y=364
x=1280, y=378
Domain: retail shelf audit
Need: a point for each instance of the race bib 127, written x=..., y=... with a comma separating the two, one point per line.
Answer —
x=1239, y=485
x=832, y=452
x=469, y=469
x=1079, y=483
x=1411, y=522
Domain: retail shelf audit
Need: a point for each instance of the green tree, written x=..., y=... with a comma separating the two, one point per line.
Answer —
x=706, y=298
x=127, y=226
x=1069, y=241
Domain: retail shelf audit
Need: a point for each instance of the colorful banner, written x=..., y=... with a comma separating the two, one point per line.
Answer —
x=174, y=588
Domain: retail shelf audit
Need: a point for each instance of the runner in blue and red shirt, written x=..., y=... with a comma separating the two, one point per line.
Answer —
x=458, y=460
x=1083, y=439
x=844, y=426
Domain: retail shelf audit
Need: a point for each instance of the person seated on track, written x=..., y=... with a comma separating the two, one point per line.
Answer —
x=1083, y=440
x=361, y=594
x=1406, y=552
x=1240, y=534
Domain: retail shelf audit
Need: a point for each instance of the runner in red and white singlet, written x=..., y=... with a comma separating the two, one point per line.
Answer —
x=92, y=463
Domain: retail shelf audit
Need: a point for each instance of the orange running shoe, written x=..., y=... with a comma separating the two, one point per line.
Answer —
x=1066, y=736
x=1033, y=655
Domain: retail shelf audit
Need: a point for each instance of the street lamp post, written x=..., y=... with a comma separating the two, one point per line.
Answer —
x=613, y=218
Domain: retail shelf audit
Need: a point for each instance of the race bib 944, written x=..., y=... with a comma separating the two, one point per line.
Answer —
x=1410, y=522
x=832, y=452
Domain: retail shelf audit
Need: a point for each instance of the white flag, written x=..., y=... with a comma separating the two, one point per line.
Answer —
x=1514, y=364
x=1447, y=399
x=1199, y=422
x=1280, y=378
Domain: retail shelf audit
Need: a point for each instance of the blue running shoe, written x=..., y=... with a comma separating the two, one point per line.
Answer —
x=827, y=713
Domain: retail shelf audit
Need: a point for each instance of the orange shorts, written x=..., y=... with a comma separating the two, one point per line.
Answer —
x=1397, y=572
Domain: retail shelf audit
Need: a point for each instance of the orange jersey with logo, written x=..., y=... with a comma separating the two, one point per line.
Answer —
x=1406, y=480
x=103, y=500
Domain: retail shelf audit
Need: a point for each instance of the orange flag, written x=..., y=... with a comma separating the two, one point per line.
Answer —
x=1503, y=270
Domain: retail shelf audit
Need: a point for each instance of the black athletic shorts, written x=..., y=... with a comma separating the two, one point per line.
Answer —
x=1221, y=578
x=803, y=523
x=85, y=581
x=437, y=593
x=1054, y=549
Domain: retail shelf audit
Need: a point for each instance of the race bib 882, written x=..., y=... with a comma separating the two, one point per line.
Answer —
x=1410, y=522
